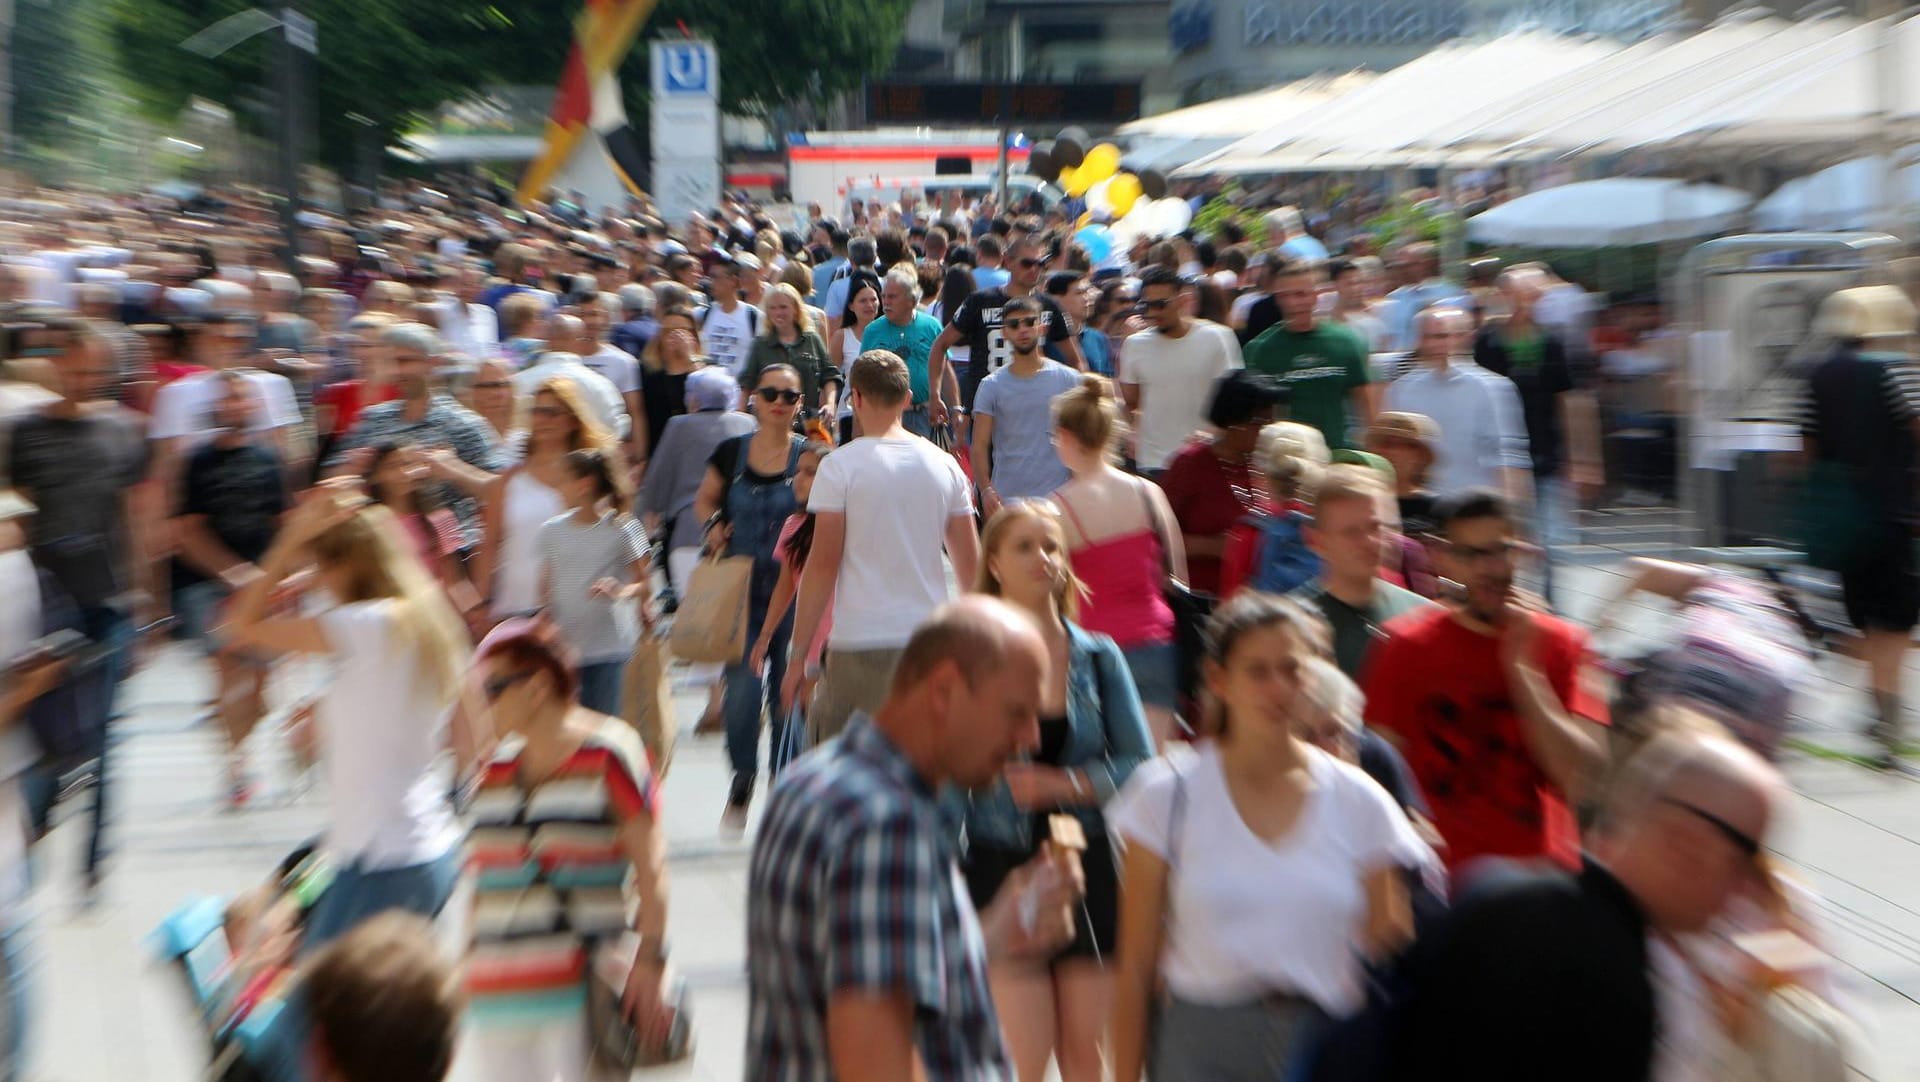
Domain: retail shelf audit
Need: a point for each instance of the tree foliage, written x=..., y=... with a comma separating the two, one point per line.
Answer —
x=392, y=61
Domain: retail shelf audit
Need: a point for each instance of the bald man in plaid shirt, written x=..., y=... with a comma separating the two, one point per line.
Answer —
x=865, y=957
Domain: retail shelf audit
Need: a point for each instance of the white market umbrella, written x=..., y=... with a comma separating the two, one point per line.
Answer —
x=1608, y=213
x=1844, y=196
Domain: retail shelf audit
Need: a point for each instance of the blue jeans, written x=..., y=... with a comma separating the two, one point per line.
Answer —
x=600, y=686
x=357, y=894
x=18, y=956
x=112, y=629
x=915, y=420
x=749, y=691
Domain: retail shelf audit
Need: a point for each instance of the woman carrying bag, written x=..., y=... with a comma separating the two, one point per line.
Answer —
x=1259, y=873
x=751, y=478
x=1092, y=736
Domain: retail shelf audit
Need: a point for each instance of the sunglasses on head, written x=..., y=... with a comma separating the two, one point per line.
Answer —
x=770, y=395
x=499, y=685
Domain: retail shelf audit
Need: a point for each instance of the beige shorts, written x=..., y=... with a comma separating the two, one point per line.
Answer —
x=852, y=680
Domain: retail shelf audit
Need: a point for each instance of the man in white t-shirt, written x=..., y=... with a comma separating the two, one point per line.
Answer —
x=1167, y=371
x=884, y=506
x=729, y=324
x=183, y=409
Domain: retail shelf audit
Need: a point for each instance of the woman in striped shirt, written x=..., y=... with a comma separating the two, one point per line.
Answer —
x=565, y=840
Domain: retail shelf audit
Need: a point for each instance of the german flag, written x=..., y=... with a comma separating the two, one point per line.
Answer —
x=588, y=102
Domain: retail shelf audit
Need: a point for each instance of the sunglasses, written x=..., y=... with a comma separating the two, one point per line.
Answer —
x=1019, y=324
x=1156, y=305
x=770, y=395
x=499, y=685
x=549, y=411
x=1748, y=845
x=492, y=384
x=1029, y=263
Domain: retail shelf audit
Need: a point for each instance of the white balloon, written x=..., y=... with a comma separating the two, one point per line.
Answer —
x=1096, y=198
x=1171, y=214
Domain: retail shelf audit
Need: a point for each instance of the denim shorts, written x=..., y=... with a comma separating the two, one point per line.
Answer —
x=1156, y=672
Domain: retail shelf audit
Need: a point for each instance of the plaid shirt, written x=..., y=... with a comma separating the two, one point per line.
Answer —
x=445, y=424
x=854, y=885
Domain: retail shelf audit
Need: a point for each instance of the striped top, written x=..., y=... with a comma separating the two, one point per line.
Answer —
x=550, y=874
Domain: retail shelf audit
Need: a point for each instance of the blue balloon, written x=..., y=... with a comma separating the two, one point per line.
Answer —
x=1095, y=240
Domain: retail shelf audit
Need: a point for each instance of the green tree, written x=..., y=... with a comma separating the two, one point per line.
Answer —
x=383, y=64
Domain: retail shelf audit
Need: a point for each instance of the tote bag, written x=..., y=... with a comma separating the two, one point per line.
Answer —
x=711, y=623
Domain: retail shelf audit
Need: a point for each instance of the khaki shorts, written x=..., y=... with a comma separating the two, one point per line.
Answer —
x=853, y=680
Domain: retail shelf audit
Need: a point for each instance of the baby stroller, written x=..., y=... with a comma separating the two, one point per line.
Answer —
x=236, y=957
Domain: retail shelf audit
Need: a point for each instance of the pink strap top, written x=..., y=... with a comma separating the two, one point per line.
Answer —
x=1123, y=576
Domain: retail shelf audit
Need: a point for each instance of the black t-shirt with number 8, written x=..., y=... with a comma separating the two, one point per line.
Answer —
x=980, y=319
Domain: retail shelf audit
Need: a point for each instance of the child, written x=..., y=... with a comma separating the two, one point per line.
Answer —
x=1267, y=550
x=1406, y=441
x=795, y=544
x=592, y=557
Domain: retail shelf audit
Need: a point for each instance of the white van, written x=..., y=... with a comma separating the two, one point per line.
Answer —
x=930, y=188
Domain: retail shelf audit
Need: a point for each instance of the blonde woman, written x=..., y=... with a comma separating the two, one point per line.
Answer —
x=1093, y=734
x=530, y=493
x=788, y=336
x=400, y=651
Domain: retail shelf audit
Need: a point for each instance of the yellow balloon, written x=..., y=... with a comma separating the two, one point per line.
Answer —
x=1122, y=192
x=1101, y=162
x=1076, y=181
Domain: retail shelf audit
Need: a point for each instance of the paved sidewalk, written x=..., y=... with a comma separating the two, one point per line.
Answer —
x=105, y=1012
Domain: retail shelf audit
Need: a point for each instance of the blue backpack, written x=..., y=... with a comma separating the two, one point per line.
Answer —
x=1282, y=562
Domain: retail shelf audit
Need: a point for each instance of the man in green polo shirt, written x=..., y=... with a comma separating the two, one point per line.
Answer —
x=1324, y=365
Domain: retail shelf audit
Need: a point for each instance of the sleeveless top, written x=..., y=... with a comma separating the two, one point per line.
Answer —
x=1123, y=575
x=527, y=505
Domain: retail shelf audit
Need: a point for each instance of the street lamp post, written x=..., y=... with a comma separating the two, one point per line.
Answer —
x=298, y=35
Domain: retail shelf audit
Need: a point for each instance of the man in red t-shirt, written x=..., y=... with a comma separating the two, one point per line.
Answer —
x=1486, y=699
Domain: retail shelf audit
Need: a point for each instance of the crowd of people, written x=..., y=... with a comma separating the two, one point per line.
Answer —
x=1249, y=733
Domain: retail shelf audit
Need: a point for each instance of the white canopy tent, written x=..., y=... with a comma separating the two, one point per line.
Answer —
x=1610, y=212
x=1352, y=130
x=1174, y=138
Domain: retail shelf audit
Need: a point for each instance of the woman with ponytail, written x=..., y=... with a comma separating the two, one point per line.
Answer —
x=1124, y=543
x=400, y=652
x=592, y=558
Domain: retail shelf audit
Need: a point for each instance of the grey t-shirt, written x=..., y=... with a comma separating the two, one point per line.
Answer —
x=575, y=557
x=1025, y=465
x=77, y=471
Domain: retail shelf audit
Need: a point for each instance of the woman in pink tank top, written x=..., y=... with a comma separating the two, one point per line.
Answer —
x=1123, y=547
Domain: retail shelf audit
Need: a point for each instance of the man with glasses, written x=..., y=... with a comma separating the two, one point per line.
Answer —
x=1488, y=700
x=1167, y=372
x=1013, y=453
x=980, y=323
x=1556, y=967
x=1483, y=431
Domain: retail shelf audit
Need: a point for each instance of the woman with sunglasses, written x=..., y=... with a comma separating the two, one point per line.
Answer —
x=751, y=478
x=566, y=839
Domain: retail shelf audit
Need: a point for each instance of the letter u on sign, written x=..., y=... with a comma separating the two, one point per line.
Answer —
x=686, y=68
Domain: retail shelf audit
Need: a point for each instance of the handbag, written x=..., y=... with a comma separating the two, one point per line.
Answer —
x=711, y=622
x=615, y=1043
x=648, y=702
x=1191, y=610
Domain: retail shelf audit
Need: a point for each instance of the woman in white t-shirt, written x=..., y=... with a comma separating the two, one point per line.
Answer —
x=1260, y=872
x=400, y=651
